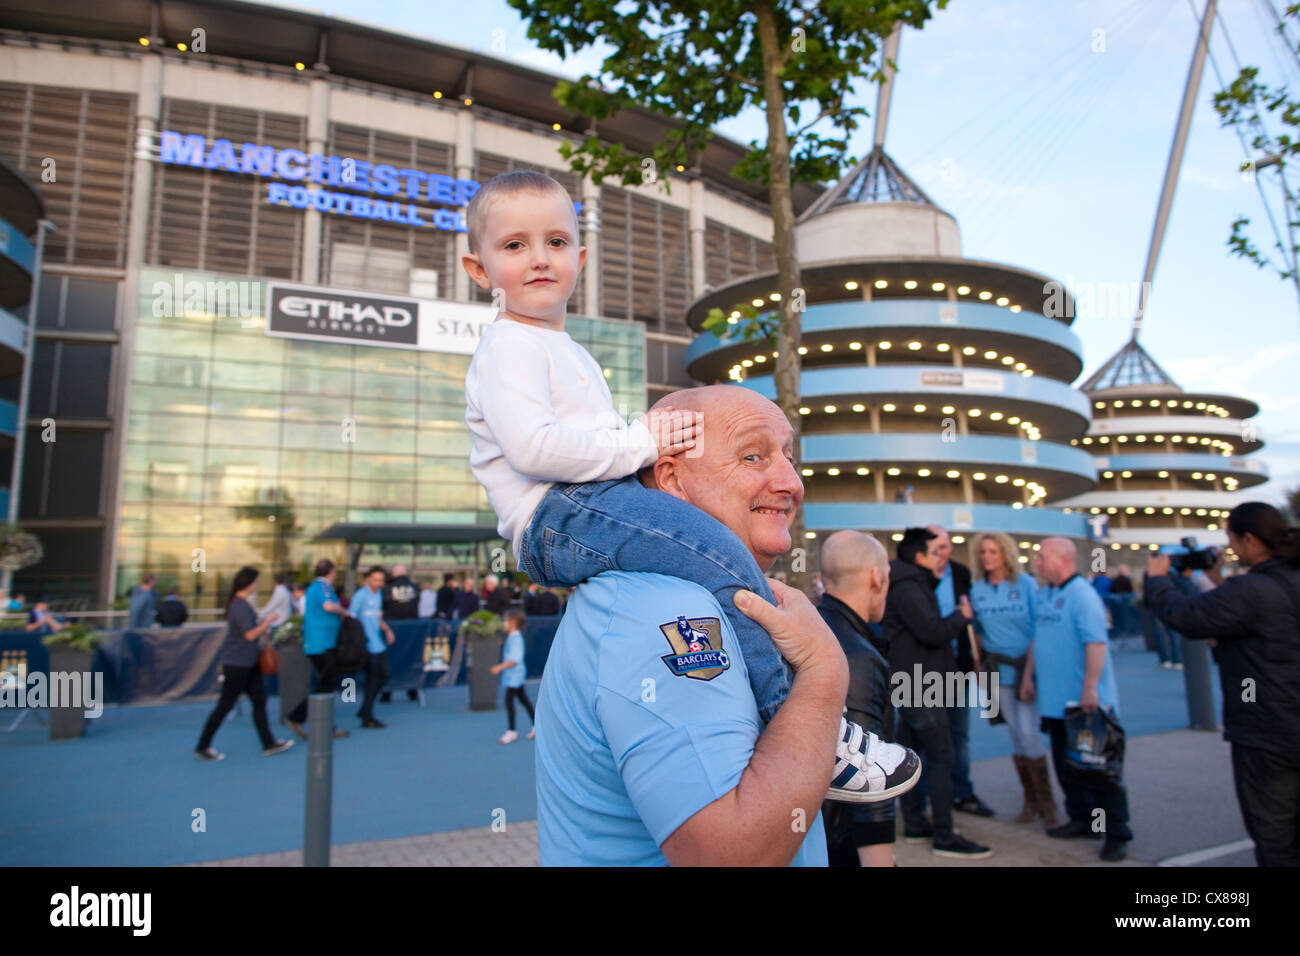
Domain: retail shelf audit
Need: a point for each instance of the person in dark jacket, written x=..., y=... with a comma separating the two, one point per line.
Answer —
x=954, y=588
x=496, y=596
x=539, y=602
x=239, y=671
x=466, y=599
x=855, y=570
x=920, y=642
x=401, y=596
x=446, y=597
x=1254, y=621
x=172, y=611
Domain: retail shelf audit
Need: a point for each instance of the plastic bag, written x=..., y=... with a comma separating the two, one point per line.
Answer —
x=1094, y=745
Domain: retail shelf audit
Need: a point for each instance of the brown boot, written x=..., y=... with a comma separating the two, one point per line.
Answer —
x=1042, y=784
x=1026, y=815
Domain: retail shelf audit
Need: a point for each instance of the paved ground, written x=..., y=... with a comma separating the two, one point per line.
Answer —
x=1178, y=808
x=427, y=789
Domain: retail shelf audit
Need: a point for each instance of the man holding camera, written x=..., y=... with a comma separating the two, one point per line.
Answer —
x=1254, y=621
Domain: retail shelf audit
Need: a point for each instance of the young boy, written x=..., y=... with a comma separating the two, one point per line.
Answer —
x=559, y=465
x=512, y=662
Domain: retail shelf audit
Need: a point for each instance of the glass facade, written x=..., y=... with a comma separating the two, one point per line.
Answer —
x=242, y=448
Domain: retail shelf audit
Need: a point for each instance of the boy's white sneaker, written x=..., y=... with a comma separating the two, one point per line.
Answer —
x=508, y=737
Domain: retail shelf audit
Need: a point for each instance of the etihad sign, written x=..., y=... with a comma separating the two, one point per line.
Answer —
x=363, y=318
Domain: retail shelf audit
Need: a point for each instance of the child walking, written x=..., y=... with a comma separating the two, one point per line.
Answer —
x=559, y=464
x=512, y=662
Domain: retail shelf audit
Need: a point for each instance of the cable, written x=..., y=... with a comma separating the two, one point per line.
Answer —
x=1246, y=152
x=1281, y=31
x=1033, y=86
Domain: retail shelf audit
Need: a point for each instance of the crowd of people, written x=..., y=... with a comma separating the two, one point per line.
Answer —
x=382, y=596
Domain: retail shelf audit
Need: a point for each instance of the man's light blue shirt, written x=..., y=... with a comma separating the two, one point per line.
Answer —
x=642, y=721
x=320, y=628
x=1004, y=615
x=367, y=606
x=1066, y=620
x=945, y=593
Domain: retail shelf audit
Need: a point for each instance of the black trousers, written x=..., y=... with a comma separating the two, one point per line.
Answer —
x=327, y=681
x=376, y=677
x=1082, y=801
x=926, y=730
x=1268, y=790
x=236, y=681
x=511, y=694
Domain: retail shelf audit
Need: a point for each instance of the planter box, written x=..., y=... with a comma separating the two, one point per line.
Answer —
x=484, y=652
x=67, y=723
x=294, y=677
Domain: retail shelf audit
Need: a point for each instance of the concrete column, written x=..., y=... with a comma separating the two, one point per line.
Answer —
x=591, y=239
x=698, y=273
x=464, y=170
x=148, y=108
x=318, y=124
x=967, y=489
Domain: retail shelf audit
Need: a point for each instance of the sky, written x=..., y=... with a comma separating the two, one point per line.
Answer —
x=1045, y=128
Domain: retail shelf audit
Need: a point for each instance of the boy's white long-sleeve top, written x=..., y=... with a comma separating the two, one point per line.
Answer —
x=540, y=412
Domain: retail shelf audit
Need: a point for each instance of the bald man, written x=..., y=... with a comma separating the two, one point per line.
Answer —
x=855, y=569
x=652, y=743
x=1070, y=661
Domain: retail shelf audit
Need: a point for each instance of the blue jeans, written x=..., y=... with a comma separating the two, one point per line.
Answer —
x=580, y=530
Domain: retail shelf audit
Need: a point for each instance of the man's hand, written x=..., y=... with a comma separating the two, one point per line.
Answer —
x=1027, y=689
x=1089, y=700
x=966, y=611
x=797, y=630
x=674, y=431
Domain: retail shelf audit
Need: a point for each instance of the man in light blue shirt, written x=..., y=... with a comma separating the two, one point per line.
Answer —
x=646, y=724
x=1071, y=661
x=367, y=606
x=144, y=601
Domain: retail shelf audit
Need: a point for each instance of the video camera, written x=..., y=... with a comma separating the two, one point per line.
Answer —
x=1188, y=557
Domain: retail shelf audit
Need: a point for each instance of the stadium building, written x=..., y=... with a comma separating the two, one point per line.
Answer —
x=253, y=327
x=935, y=388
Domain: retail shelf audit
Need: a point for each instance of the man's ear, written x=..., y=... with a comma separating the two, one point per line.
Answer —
x=668, y=478
x=474, y=266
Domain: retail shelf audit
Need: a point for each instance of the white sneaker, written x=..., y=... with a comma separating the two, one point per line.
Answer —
x=868, y=769
x=532, y=734
x=508, y=737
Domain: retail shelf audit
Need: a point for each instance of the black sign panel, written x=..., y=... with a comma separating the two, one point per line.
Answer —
x=316, y=313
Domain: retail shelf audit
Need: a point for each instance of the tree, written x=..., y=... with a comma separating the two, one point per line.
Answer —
x=278, y=512
x=699, y=62
x=1245, y=105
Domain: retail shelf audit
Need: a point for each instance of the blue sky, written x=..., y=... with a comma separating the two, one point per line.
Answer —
x=1044, y=128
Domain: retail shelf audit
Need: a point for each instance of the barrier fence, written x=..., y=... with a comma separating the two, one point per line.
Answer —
x=163, y=664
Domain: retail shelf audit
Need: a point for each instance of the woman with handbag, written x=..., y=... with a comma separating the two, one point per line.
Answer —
x=240, y=669
x=1003, y=601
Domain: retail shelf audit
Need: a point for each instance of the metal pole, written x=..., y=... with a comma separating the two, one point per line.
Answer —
x=1176, y=150
x=320, y=779
x=1196, y=682
x=20, y=426
x=886, y=93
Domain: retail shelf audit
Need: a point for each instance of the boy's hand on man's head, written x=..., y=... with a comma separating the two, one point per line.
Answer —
x=675, y=431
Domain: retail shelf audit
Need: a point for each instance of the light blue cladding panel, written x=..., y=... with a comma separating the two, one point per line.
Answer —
x=923, y=313
x=953, y=516
x=931, y=447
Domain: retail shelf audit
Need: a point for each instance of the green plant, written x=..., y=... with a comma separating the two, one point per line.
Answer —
x=121, y=604
x=480, y=624
x=290, y=632
x=14, y=622
x=78, y=636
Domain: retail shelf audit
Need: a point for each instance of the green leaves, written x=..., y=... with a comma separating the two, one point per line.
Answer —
x=700, y=63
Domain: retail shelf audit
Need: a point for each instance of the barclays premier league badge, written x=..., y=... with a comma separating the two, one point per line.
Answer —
x=697, y=647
